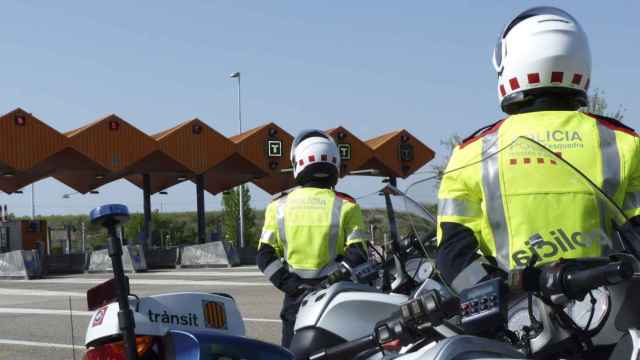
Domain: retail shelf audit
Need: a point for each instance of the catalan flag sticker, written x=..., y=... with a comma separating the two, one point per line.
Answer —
x=214, y=314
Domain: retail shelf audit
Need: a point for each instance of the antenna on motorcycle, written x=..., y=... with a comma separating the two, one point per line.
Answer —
x=393, y=230
x=111, y=216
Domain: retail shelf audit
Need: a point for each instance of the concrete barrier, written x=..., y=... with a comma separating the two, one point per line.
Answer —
x=133, y=260
x=64, y=264
x=23, y=264
x=162, y=258
x=212, y=254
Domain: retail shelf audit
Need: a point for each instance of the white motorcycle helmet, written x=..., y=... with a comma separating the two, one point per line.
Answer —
x=542, y=50
x=315, y=156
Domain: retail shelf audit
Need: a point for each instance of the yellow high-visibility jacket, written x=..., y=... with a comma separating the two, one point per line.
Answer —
x=309, y=227
x=514, y=214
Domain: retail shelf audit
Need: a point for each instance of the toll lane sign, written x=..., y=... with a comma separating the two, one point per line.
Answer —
x=406, y=152
x=345, y=151
x=274, y=148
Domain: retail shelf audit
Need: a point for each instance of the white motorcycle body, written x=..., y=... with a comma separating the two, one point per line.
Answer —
x=343, y=312
x=613, y=317
x=158, y=314
x=464, y=347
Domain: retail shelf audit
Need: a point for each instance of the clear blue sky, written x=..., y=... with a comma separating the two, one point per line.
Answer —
x=372, y=66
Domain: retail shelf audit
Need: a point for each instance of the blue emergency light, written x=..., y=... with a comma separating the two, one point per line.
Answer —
x=113, y=213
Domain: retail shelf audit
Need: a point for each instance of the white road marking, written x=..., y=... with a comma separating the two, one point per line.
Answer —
x=30, y=311
x=262, y=320
x=39, y=344
x=134, y=281
x=203, y=273
x=31, y=292
x=27, y=311
x=244, y=267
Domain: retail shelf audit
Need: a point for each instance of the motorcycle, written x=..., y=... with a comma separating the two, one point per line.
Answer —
x=550, y=307
x=351, y=301
x=172, y=326
x=401, y=308
x=187, y=325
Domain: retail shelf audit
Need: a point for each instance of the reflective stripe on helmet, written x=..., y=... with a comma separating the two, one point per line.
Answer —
x=303, y=135
x=458, y=207
x=314, y=149
x=493, y=197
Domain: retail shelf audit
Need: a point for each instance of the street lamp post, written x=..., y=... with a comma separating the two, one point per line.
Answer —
x=33, y=202
x=162, y=201
x=69, y=195
x=236, y=75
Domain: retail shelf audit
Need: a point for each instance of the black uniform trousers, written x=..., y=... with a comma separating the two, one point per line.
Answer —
x=290, y=307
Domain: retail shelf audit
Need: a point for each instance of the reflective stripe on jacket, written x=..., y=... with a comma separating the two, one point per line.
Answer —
x=310, y=227
x=514, y=214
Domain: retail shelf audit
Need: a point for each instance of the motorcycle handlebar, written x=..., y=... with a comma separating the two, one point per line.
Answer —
x=343, y=272
x=347, y=350
x=575, y=279
x=578, y=282
x=414, y=317
x=363, y=273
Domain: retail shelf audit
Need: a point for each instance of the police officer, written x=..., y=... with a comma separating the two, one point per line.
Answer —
x=543, y=63
x=307, y=230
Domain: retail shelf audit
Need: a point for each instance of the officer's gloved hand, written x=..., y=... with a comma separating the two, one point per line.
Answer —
x=305, y=289
x=291, y=285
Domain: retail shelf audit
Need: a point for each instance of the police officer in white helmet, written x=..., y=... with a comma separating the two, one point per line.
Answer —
x=543, y=63
x=309, y=229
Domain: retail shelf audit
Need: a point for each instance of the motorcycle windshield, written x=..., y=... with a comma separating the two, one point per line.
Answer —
x=393, y=217
x=522, y=199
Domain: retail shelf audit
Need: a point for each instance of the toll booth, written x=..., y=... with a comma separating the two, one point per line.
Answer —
x=23, y=235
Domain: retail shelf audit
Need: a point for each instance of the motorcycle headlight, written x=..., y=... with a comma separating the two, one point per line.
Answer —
x=518, y=316
x=581, y=311
x=419, y=269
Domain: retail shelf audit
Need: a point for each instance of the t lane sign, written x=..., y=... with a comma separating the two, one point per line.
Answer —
x=274, y=148
x=345, y=151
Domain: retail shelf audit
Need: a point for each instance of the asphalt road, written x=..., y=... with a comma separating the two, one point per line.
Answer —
x=34, y=314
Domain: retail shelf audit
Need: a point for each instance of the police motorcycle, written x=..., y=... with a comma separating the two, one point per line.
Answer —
x=550, y=308
x=348, y=304
x=172, y=326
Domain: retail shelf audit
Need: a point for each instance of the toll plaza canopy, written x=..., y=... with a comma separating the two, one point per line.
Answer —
x=112, y=148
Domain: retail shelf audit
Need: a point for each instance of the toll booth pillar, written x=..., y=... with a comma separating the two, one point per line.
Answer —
x=146, y=225
x=200, y=204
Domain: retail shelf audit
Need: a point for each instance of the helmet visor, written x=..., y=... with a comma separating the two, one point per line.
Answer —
x=498, y=51
x=497, y=55
x=537, y=11
x=305, y=134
